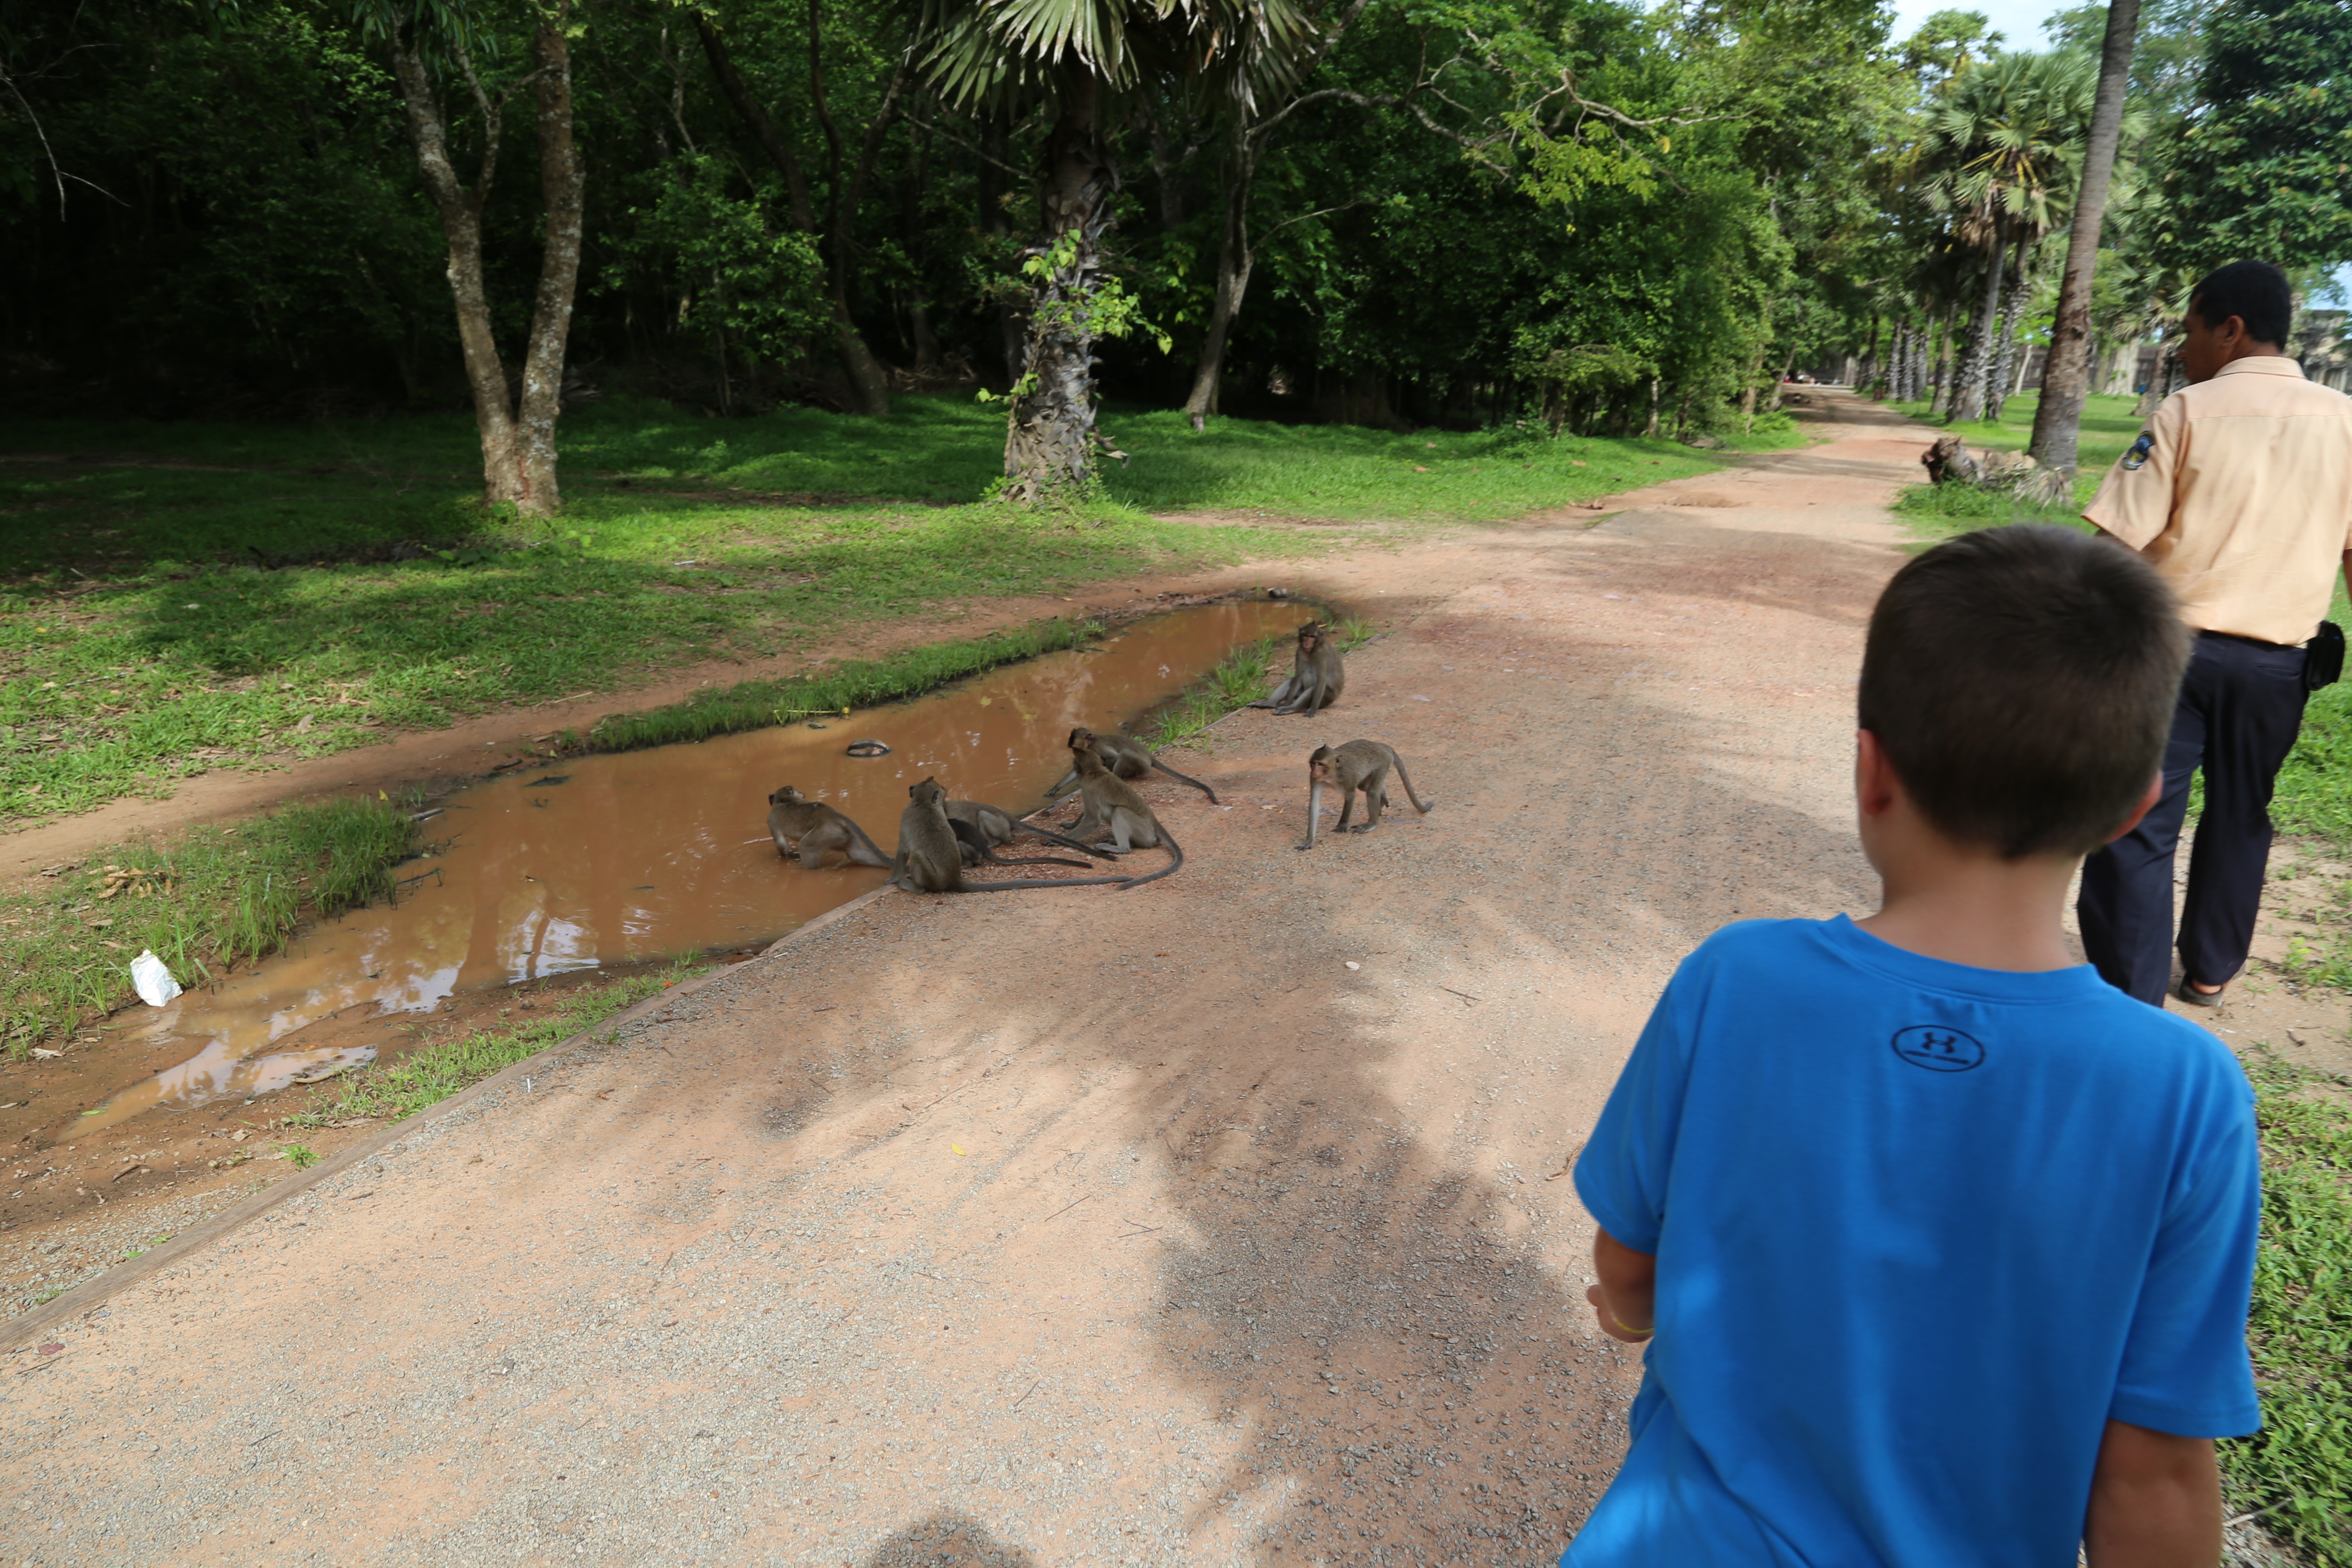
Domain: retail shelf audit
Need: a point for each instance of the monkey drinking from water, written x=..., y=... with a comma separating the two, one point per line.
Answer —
x=1112, y=806
x=816, y=830
x=1357, y=765
x=931, y=856
x=1316, y=673
x=1126, y=759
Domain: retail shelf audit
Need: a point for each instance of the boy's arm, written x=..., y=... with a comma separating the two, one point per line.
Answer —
x=2155, y=1501
x=1625, y=1299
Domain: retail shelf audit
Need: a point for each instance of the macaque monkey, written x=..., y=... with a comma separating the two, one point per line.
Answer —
x=993, y=827
x=1126, y=759
x=817, y=830
x=976, y=848
x=931, y=856
x=1357, y=765
x=1316, y=676
x=1113, y=806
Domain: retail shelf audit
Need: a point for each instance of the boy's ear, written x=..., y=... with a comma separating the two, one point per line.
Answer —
x=1876, y=786
x=2147, y=803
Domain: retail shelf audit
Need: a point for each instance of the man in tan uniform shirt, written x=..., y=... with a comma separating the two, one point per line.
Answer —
x=2241, y=494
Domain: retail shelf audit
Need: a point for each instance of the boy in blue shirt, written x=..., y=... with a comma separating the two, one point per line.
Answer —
x=1941, y=1244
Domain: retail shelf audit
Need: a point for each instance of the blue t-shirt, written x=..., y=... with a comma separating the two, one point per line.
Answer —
x=1921, y=1231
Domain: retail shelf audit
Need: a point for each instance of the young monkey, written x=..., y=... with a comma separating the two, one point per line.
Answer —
x=931, y=856
x=817, y=830
x=1112, y=806
x=1357, y=765
x=1125, y=758
x=1316, y=675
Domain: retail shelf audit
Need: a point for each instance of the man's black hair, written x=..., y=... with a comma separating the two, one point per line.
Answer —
x=2022, y=682
x=2254, y=291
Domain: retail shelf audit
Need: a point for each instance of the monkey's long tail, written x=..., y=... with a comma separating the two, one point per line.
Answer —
x=1030, y=887
x=1050, y=836
x=1406, y=779
x=871, y=847
x=1188, y=778
x=994, y=858
x=1175, y=863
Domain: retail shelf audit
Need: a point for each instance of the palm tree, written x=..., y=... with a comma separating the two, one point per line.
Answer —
x=2065, y=381
x=1077, y=58
x=2005, y=144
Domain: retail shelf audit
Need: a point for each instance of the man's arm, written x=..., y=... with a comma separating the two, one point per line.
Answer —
x=1627, y=1299
x=2347, y=571
x=2155, y=1501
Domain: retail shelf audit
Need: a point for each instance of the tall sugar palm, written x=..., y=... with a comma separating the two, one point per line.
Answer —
x=2005, y=145
x=1078, y=58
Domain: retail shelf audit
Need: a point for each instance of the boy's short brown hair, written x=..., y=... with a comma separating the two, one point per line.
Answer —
x=2022, y=681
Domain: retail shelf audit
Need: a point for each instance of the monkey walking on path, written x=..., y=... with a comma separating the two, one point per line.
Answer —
x=1126, y=759
x=1316, y=675
x=1357, y=765
x=817, y=830
x=931, y=856
x=1112, y=806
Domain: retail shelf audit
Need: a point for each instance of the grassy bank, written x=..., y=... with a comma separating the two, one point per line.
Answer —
x=2299, y=1468
x=401, y=1088
x=186, y=596
x=212, y=898
x=2109, y=425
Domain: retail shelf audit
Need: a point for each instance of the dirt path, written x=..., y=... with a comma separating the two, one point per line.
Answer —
x=1212, y=1223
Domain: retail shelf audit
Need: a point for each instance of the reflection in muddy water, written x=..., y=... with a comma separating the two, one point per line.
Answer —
x=612, y=858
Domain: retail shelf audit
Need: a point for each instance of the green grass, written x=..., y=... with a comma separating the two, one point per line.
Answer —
x=212, y=898
x=1938, y=511
x=2299, y=1467
x=402, y=1089
x=145, y=637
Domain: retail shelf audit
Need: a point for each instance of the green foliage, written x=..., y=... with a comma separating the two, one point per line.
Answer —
x=210, y=899
x=734, y=274
x=2261, y=170
x=300, y=1155
x=2299, y=1467
x=396, y=1090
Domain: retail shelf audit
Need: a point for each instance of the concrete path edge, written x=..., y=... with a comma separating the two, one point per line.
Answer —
x=26, y=1331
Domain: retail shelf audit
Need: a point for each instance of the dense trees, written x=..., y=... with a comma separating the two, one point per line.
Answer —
x=1570, y=213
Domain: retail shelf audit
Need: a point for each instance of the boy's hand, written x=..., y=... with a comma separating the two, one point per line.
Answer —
x=1624, y=1301
x=2155, y=1501
x=1609, y=1323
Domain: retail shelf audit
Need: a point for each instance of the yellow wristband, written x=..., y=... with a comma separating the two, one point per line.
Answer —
x=1645, y=1333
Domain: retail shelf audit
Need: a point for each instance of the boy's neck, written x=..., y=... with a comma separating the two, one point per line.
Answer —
x=1962, y=906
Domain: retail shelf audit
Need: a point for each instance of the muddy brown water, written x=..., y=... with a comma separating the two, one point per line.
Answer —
x=600, y=861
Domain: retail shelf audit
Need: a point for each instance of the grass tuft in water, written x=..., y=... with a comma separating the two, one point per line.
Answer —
x=757, y=704
x=212, y=897
x=401, y=1088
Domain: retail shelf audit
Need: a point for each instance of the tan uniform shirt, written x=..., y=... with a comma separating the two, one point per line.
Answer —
x=2246, y=502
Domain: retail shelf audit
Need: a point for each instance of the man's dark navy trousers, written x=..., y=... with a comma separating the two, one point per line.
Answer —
x=2241, y=706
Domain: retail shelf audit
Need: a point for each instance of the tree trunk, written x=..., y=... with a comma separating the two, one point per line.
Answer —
x=1969, y=399
x=1012, y=326
x=461, y=222
x=562, y=182
x=869, y=383
x=1050, y=436
x=1939, y=385
x=919, y=301
x=2065, y=376
x=1234, y=265
x=2012, y=309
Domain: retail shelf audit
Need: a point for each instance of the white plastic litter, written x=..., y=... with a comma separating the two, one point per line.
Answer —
x=156, y=986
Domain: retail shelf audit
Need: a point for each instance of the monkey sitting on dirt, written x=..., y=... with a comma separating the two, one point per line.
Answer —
x=1126, y=759
x=1112, y=806
x=930, y=857
x=1316, y=675
x=1357, y=765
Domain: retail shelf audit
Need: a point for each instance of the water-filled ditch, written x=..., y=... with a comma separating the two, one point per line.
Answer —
x=603, y=860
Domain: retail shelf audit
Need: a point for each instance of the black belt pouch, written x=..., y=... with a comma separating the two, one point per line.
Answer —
x=2322, y=656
